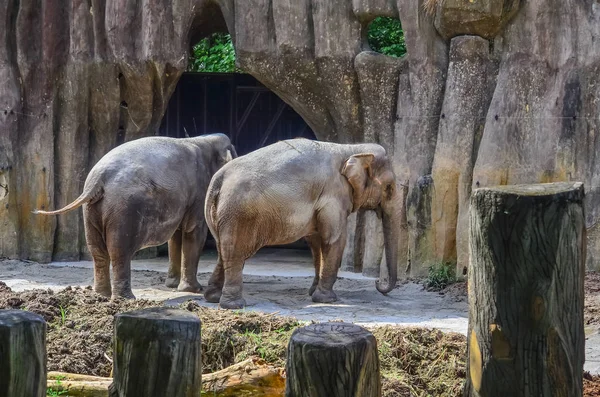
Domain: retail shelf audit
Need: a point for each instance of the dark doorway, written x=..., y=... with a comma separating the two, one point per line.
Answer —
x=232, y=103
x=237, y=105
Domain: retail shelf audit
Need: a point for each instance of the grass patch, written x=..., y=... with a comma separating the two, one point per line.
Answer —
x=420, y=362
x=230, y=337
x=440, y=276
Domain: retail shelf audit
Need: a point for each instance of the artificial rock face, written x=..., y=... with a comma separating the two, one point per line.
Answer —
x=490, y=92
x=484, y=18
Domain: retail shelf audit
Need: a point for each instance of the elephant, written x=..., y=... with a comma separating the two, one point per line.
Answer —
x=144, y=193
x=294, y=189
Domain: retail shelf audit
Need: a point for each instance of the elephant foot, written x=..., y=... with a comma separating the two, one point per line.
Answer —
x=322, y=296
x=172, y=282
x=212, y=294
x=312, y=289
x=185, y=286
x=122, y=295
x=104, y=291
x=232, y=304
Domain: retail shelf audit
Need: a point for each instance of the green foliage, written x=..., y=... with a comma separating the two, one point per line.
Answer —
x=386, y=36
x=440, y=276
x=213, y=54
x=63, y=315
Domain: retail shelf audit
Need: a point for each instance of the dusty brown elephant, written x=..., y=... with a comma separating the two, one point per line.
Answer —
x=146, y=192
x=294, y=189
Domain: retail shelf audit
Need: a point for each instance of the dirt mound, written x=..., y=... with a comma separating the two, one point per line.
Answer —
x=459, y=292
x=229, y=337
x=456, y=291
x=4, y=288
x=79, y=326
x=592, y=298
x=80, y=329
x=418, y=361
x=591, y=385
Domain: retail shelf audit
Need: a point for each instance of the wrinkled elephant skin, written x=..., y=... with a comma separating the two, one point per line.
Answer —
x=297, y=189
x=142, y=194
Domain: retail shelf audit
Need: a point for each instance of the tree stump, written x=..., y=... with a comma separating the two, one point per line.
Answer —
x=527, y=255
x=332, y=360
x=22, y=354
x=157, y=353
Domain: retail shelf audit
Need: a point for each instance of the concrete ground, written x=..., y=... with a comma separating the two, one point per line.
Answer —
x=277, y=281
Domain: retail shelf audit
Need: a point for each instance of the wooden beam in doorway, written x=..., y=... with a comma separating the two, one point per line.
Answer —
x=241, y=123
x=282, y=106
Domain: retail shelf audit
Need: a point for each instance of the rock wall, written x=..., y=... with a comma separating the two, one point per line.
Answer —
x=490, y=92
x=78, y=78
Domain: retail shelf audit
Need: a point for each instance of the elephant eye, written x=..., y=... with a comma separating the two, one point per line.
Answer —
x=389, y=190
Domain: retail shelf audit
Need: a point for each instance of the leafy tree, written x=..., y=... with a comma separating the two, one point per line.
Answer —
x=213, y=54
x=386, y=36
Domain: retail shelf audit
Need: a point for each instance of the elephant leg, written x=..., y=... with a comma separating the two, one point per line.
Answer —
x=314, y=242
x=121, y=285
x=231, y=262
x=192, y=245
x=215, y=283
x=231, y=295
x=97, y=248
x=332, y=228
x=174, y=274
x=101, y=270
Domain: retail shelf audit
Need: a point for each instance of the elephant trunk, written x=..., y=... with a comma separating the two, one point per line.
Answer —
x=391, y=219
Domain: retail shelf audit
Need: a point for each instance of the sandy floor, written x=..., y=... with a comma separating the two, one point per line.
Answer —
x=274, y=281
x=277, y=281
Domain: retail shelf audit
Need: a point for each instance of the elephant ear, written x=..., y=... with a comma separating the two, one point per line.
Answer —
x=357, y=171
x=230, y=154
x=226, y=156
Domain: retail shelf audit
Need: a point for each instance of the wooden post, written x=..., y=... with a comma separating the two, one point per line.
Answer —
x=332, y=360
x=157, y=353
x=527, y=255
x=22, y=354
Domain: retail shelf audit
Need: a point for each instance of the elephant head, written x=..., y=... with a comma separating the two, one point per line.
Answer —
x=222, y=149
x=373, y=185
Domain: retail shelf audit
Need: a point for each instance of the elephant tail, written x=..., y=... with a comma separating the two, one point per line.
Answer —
x=88, y=196
x=213, y=202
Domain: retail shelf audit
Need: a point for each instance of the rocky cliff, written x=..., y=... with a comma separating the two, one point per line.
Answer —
x=490, y=92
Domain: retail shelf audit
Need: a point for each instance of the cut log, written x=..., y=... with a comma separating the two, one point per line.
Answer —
x=22, y=354
x=527, y=255
x=157, y=353
x=80, y=388
x=251, y=377
x=333, y=360
x=66, y=376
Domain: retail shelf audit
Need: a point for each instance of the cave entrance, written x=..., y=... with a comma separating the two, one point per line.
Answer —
x=213, y=95
x=235, y=104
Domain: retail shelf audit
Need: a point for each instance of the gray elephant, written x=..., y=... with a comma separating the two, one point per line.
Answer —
x=293, y=189
x=146, y=192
